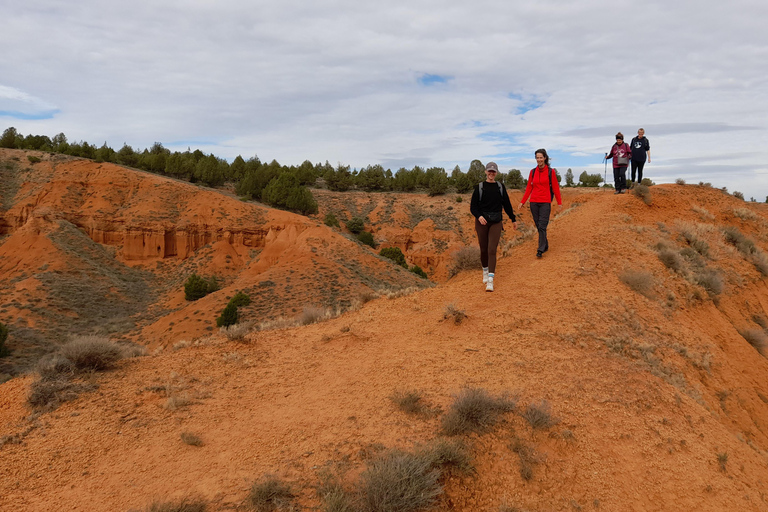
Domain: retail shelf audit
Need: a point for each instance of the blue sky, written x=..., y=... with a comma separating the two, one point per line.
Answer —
x=401, y=83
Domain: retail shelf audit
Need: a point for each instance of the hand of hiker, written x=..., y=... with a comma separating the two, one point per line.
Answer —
x=514, y=225
x=482, y=220
x=519, y=208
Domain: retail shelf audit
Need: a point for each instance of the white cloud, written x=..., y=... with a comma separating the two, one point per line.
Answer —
x=340, y=80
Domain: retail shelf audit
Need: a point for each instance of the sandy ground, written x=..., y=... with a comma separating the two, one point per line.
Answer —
x=648, y=389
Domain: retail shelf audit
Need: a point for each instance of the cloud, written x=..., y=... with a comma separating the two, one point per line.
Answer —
x=401, y=83
x=17, y=104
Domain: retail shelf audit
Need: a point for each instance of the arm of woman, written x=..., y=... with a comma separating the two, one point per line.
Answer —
x=528, y=190
x=507, y=204
x=474, y=205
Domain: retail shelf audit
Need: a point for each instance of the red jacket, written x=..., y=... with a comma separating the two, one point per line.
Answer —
x=617, y=151
x=538, y=186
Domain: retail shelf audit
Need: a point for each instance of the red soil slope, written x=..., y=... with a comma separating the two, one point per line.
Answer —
x=652, y=391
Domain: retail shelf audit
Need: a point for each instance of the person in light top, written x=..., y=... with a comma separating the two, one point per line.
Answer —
x=542, y=187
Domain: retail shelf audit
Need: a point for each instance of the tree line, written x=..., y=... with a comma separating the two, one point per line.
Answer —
x=272, y=183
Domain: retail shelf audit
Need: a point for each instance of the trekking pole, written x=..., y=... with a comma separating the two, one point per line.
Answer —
x=605, y=170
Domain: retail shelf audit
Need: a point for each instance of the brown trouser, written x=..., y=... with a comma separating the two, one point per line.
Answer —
x=488, y=237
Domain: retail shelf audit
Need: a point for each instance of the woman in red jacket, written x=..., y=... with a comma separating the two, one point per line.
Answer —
x=620, y=152
x=542, y=187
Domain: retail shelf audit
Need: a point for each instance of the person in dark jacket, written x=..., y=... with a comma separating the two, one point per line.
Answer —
x=640, y=148
x=620, y=153
x=542, y=186
x=488, y=200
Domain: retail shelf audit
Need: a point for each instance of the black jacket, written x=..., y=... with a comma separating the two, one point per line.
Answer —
x=639, y=147
x=492, y=201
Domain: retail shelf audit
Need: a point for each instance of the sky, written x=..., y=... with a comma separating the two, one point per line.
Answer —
x=401, y=83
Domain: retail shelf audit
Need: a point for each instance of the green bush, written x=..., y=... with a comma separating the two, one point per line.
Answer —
x=331, y=220
x=356, y=225
x=240, y=299
x=3, y=336
x=197, y=287
x=366, y=238
x=33, y=159
x=228, y=317
x=419, y=272
x=394, y=254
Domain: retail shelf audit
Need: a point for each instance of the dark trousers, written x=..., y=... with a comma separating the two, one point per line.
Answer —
x=488, y=237
x=620, y=178
x=540, y=213
x=637, y=166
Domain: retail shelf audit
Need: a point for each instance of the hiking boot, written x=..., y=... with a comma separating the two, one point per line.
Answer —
x=489, y=284
x=538, y=254
x=485, y=275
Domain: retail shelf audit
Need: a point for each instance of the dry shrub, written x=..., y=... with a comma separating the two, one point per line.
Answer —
x=312, y=314
x=760, y=261
x=183, y=505
x=696, y=243
x=175, y=402
x=191, y=439
x=55, y=366
x=703, y=212
x=447, y=454
x=757, y=339
x=452, y=311
x=539, y=416
x=411, y=402
x=475, y=410
x=333, y=496
x=467, y=258
x=745, y=213
x=639, y=281
x=528, y=457
x=279, y=323
x=270, y=494
x=525, y=231
x=92, y=353
x=761, y=320
x=672, y=260
x=680, y=181
x=48, y=394
x=737, y=239
x=643, y=192
x=398, y=481
x=236, y=332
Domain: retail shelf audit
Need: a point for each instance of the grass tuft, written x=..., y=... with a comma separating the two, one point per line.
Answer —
x=475, y=410
x=467, y=258
x=539, y=416
x=183, y=505
x=270, y=494
x=92, y=353
x=758, y=339
x=411, y=402
x=191, y=439
x=643, y=192
x=398, y=481
x=457, y=314
x=639, y=281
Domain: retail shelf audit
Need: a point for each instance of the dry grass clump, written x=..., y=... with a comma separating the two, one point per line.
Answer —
x=643, y=192
x=467, y=258
x=398, y=481
x=761, y=320
x=528, y=458
x=525, y=231
x=745, y=214
x=447, y=454
x=236, y=332
x=639, y=281
x=411, y=402
x=710, y=280
x=747, y=248
x=312, y=314
x=457, y=314
x=270, y=494
x=695, y=242
x=475, y=410
x=757, y=339
x=92, y=353
x=49, y=393
x=672, y=260
x=539, y=416
x=680, y=181
x=703, y=212
x=191, y=439
x=333, y=496
x=182, y=505
x=760, y=261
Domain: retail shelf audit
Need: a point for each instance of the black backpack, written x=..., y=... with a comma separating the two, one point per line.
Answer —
x=551, y=190
x=480, y=186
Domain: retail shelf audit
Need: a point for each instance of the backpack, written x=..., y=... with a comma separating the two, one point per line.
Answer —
x=480, y=186
x=551, y=191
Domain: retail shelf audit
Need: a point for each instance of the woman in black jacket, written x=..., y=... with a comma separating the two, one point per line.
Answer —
x=488, y=199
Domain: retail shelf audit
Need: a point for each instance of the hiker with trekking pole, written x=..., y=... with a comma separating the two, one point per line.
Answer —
x=542, y=188
x=488, y=200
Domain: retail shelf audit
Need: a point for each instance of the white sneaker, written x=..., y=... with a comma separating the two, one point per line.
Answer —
x=485, y=275
x=489, y=284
